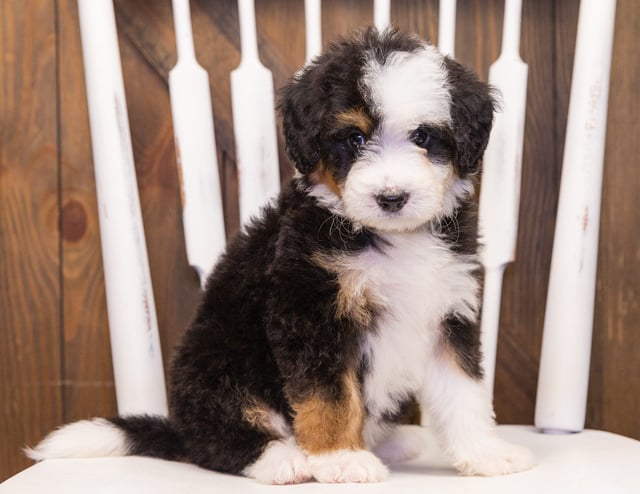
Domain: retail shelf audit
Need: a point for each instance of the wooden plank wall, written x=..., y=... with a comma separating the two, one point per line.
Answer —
x=54, y=347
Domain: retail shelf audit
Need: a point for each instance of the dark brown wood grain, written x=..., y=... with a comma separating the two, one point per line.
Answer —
x=614, y=397
x=478, y=34
x=417, y=17
x=55, y=362
x=342, y=17
x=30, y=322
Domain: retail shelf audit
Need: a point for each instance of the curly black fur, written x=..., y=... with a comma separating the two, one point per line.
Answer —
x=472, y=108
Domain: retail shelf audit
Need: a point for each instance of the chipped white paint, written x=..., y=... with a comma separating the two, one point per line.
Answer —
x=133, y=328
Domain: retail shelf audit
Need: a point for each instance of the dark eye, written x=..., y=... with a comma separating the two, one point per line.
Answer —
x=420, y=138
x=356, y=140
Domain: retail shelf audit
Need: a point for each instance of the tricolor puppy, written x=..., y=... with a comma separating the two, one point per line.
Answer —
x=352, y=294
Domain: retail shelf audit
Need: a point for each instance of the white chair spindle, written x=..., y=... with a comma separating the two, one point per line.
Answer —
x=253, y=121
x=313, y=28
x=381, y=14
x=500, y=191
x=202, y=213
x=447, y=27
x=566, y=346
x=133, y=328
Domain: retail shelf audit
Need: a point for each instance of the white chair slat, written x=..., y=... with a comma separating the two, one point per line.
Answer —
x=563, y=377
x=133, y=327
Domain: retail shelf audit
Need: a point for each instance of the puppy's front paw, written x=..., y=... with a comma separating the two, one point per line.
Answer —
x=282, y=462
x=497, y=458
x=347, y=466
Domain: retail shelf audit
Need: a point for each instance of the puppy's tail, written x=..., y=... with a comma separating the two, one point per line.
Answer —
x=145, y=435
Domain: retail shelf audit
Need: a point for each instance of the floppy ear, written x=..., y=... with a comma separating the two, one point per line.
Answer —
x=302, y=113
x=472, y=107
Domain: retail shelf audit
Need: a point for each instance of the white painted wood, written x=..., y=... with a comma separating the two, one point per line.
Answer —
x=447, y=27
x=254, y=121
x=381, y=14
x=566, y=346
x=313, y=28
x=500, y=191
x=133, y=328
x=202, y=213
x=591, y=462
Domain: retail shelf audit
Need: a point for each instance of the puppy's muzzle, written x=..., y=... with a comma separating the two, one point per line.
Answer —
x=392, y=202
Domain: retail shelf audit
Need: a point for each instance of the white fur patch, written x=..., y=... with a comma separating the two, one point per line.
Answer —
x=496, y=457
x=392, y=164
x=462, y=415
x=347, y=466
x=83, y=439
x=282, y=462
x=409, y=89
x=327, y=198
x=419, y=281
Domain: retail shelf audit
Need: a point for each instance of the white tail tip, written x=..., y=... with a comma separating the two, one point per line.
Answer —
x=83, y=439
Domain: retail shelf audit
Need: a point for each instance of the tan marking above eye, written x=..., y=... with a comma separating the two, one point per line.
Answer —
x=355, y=117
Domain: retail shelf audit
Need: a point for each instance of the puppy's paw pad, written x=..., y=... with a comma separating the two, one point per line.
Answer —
x=348, y=466
x=282, y=462
x=501, y=458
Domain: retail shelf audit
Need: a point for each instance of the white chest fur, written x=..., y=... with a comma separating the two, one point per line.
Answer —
x=418, y=282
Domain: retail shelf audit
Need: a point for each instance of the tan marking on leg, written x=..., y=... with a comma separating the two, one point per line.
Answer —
x=323, y=425
x=356, y=117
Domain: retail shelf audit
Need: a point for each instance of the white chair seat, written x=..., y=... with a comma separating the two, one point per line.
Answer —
x=588, y=462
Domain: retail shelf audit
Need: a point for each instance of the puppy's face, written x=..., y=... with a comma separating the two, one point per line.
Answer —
x=387, y=131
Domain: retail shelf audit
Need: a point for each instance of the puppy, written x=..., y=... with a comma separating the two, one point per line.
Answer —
x=353, y=293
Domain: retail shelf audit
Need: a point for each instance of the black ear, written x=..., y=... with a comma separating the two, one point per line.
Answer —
x=472, y=107
x=302, y=114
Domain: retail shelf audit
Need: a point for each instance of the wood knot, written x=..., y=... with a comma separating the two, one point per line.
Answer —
x=74, y=221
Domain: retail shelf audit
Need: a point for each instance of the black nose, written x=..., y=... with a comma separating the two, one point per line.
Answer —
x=392, y=202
